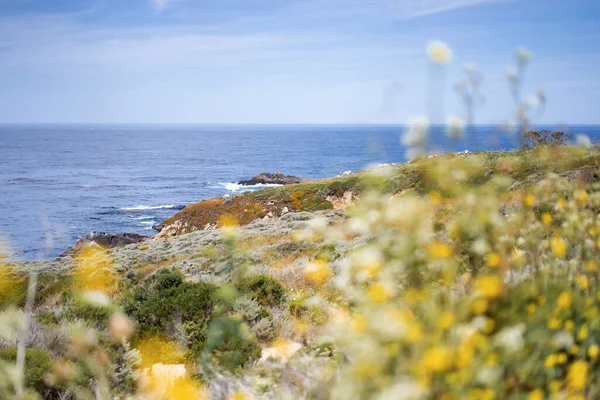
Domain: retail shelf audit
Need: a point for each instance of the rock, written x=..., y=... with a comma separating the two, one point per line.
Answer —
x=276, y=178
x=158, y=227
x=285, y=210
x=104, y=240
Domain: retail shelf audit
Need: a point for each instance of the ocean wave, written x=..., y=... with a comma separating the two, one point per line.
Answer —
x=144, y=207
x=148, y=223
x=236, y=187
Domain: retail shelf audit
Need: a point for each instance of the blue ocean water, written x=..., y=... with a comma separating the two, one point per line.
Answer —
x=58, y=182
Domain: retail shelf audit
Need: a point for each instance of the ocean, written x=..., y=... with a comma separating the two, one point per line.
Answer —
x=58, y=182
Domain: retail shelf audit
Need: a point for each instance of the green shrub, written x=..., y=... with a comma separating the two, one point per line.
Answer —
x=230, y=343
x=328, y=253
x=264, y=289
x=154, y=305
x=37, y=365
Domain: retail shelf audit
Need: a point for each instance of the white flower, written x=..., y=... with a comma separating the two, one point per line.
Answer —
x=418, y=129
x=583, y=140
x=439, y=52
x=95, y=298
x=563, y=340
x=511, y=338
x=523, y=56
x=456, y=127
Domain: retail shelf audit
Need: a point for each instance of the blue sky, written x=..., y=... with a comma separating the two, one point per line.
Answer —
x=286, y=61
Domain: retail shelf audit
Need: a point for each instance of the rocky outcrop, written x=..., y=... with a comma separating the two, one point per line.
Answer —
x=104, y=240
x=276, y=178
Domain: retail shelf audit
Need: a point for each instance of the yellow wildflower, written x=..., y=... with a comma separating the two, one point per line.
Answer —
x=317, y=272
x=593, y=352
x=550, y=361
x=446, y=320
x=378, y=292
x=529, y=200
x=489, y=286
x=561, y=203
x=553, y=324
x=583, y=281
x=439, y=52
x=569, y=325
x=590, y=266
x=574, y=349
x=493, y=260
x=577, y=375
x=437, y=359
x=546, y=219
x=358, y=323
x=239, y=395
x=583, y=333
x=531, y=308
x=558, y=246
x=581, y=196
x=479, y=306
x=564, y=300
x=561, y=358
x=537, y=394
x=439, y=250
x=555, y=386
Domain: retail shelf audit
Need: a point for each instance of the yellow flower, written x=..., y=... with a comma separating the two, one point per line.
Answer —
x=437, y=359
x=590, y=266
x=558, y=246
x=439, y=250
x=553, y=324
x=439, y=52
x=529, y=200
x=238, y=395
x=577, y=375
x=537, y=394
x=446, y=320
x=546, y=219
x=358, y=323
x=593, y=352
x=317, y=272
x=569, y=325
x=564, y=300
x=581, y=196
x=583, y=281
x=378, y=292
x=583, y=333
x=489, y=286
x=574, y=349
x=531, y=308
x=561, y=358
x=561, y=203
x=464, y=355
x=550, y=361
x=493, y=260
x=555, y=386
x=479, y=306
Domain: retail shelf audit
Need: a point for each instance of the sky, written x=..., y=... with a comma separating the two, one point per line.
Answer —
x=289, y=61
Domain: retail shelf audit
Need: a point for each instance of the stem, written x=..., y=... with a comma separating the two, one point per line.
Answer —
x=23, y=337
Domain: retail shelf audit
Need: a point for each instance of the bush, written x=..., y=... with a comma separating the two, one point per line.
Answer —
x=37, y=365
x=545, y=137
x=230, y=343
x=155, y=304
x=264, y=289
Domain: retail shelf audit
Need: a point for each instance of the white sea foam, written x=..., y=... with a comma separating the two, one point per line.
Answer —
x=148, y=223
x=236, y=187
x=142, y=207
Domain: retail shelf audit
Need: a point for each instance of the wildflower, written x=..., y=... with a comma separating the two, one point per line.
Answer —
x=583, y=140
x=577, y=375
x=529, y=200
x=455, y=127
x=378, y=292
x=317, y=272
x=120, y=326
x=493, y=260
x=358, y=323
x=564, y=300
x=537, y=394
x=558, y=246
x=446, y=320
x=555, y=386
x=583, y=333
x=479, y=306
x=561, y=203
x=550, y=361
x=95, y=298
x=439, y=52
x=417, y=131
x=593, y=352
x=553, y=324
x=437, y=359
x=489, y=286
x=546, y=219
x=439, y=250
x=590, y=266
x=368, y=261
x=581, y=196
x=239, y=395
x=583, y=281
x=511, y=338
x=569, y=325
